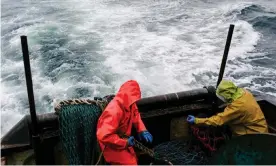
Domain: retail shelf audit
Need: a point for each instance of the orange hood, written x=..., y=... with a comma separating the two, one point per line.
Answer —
x=128, y=94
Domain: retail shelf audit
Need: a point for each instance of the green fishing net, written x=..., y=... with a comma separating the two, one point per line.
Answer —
x=77, y=124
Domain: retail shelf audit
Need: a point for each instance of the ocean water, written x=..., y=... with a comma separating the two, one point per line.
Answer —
x=87, y=48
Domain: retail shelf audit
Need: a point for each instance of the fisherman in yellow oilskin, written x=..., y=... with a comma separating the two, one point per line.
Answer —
x=242, y=114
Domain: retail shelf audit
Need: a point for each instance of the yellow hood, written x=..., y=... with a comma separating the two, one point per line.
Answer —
x=229, y=91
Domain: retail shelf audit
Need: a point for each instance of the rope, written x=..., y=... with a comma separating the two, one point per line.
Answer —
x=206, y=139
x=101, y=103
x=100, y=157
x=147, y=150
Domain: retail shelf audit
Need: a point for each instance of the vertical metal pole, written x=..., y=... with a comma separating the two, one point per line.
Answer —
x=29, y=83
x=28, y=75
x=225, y=54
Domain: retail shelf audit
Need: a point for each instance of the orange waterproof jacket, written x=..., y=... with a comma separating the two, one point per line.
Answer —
x=117, y=118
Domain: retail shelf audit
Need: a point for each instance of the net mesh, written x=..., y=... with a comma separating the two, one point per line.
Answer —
x=196, y=151
x=77, y=124
x=180, y=153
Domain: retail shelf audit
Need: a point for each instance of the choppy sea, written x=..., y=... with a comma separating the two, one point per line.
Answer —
x=87, y=48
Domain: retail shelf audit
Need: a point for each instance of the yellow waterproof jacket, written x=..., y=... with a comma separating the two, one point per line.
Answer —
x=243, y=114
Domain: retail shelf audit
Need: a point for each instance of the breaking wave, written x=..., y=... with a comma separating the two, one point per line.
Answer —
x=81, y=49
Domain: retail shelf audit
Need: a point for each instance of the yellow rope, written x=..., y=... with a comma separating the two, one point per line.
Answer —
x=100, y=157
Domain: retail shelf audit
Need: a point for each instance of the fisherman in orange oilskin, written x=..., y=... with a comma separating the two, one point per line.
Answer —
x=118, y=118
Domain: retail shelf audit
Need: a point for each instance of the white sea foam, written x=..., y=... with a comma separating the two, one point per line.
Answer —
x=166, y=46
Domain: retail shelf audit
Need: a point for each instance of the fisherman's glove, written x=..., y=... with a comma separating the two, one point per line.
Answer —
x=130, y=141
x=145, y=135
x=191, y=119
